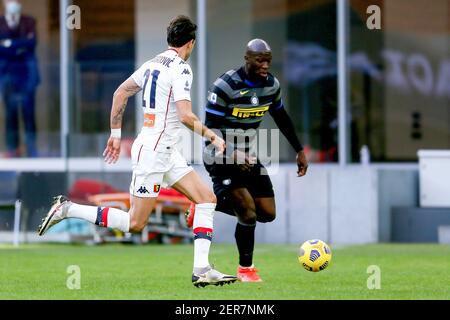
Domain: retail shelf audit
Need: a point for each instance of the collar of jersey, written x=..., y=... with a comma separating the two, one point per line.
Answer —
x=173, y=49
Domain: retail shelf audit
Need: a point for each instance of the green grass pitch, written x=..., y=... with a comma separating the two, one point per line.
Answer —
x=155, y=272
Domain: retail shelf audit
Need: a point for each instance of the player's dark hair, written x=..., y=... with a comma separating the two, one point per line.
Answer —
x=180, y=31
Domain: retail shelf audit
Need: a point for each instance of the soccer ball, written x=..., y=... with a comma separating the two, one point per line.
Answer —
x=314, y=255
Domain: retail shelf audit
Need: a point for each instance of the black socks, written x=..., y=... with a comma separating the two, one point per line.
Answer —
x=245, y=240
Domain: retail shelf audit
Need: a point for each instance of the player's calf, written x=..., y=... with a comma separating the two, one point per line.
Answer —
x=137, y=225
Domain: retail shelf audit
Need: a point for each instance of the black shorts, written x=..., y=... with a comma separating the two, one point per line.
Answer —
x=226, y=177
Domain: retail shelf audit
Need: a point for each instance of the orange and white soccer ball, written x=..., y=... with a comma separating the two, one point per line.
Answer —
x=314, y=255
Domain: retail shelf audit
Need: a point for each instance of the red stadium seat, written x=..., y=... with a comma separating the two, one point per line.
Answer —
x=82, y=189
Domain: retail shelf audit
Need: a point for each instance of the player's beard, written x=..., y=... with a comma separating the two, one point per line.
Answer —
x=254, y=73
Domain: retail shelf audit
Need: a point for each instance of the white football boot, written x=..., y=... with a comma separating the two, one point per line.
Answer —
x=213, y=277
x=57, y=213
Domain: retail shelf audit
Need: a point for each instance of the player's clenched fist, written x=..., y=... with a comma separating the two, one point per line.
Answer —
x=219, y=144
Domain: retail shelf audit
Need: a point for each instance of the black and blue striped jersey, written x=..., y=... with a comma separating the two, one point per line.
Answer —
x=234, y=102
x=236, y=106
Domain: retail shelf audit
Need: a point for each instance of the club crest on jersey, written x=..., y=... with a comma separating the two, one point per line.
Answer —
x=254, y=100
x=156, y=187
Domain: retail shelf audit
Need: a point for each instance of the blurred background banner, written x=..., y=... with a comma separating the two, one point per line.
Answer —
x=398, y=76
x=397, y=102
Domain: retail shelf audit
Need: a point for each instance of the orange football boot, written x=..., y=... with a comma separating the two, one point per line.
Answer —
x=248, y=274
x=190, y=215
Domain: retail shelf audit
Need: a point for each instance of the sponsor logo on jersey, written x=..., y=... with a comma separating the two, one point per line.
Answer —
x=212, y=97
x=149, y=120
x=142, y=190
x=186, y=71
x=250, y=112
x=156, y=188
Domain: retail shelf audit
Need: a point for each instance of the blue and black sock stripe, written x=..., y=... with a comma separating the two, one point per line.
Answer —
x=99, y=216
x=203, y=235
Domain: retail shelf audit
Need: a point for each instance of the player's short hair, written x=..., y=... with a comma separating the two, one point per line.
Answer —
x=180, y=31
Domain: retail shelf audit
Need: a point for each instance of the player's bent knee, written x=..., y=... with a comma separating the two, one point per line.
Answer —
x=248, y=217
x=266, y=217
x=212, y=198
x=207, y=198
x=248, y=220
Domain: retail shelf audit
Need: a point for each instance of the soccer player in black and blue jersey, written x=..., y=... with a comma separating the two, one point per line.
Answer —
x=237, y=102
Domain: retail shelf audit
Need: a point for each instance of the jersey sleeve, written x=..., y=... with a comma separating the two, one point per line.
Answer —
x=217, y=100
x=182, y=82
x=139, y=75
x=278, y=101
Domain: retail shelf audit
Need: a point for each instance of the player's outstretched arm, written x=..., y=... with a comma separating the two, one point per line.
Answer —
x=284, y=123
x=190, y=120
x=120, y=99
